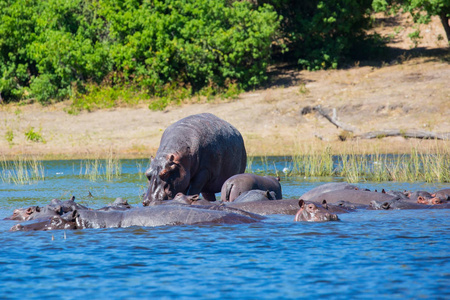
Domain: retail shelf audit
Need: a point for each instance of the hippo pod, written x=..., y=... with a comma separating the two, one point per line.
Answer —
x=151, y=216
x=238, y=184
x=313, y=212
x=196, y=155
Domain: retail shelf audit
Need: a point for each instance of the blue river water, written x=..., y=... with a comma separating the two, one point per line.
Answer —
x=367, y=255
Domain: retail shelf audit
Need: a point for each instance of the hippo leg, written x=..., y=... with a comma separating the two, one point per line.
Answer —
x=198, y=183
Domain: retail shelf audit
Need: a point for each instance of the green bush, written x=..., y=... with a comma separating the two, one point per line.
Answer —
x=321, y=34
x=49, y=47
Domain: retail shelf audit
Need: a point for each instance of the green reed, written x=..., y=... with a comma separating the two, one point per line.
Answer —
x=432, y=165
x=22, y=170
x=107, y=169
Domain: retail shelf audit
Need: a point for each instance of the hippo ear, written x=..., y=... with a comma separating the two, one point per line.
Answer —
x=301, y=203
x=383, y=191
x=421, y=200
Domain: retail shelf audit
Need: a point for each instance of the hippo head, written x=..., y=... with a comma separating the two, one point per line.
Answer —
x=166, y=177
x=311, y=212
x=429, y=201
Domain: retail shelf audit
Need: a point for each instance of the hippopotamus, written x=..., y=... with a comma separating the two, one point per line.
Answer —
x=313, y=212
x=424, y=197
x=158, y=215
x=181, y=198
x=196, y=155
x=404, y=204
x=55, y=208
x=255, y=195
x=55, y=222
x=355, y=197
x=34, y=213
x=327, y=187
x=237, y=184
x=118, y=204
x=443, y=194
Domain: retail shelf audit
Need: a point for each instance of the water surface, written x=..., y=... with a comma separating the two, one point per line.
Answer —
x=368, y=254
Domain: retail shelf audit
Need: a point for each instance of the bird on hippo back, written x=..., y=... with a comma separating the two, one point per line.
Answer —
x=196, y=155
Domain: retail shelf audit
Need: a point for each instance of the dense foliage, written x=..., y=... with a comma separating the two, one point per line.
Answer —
x=320, y=34
x=50, y=48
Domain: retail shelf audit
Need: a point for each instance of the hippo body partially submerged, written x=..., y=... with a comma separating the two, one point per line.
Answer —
x=255, y=196
x=196, y=155
x=234, y=186
x=327, y=187
x=152, y=216
x=355, y=197
x=313, y=212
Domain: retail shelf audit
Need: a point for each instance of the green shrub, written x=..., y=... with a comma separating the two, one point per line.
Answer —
x=321, y=34
x=34, y=136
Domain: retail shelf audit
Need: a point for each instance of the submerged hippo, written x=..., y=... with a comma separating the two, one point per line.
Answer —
x=424, y=197
x=327, y=187
x=240, y=183
x=443, y=194
x=181, y=198
x=34, y=213
x=159, y=215
x=313, y=212
x=355, y=197
x=196, y=155
x=255, y=196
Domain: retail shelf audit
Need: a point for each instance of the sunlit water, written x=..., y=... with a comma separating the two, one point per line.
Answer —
x=368, y=254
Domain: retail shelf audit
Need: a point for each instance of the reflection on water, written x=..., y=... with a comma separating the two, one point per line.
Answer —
x=369, y=254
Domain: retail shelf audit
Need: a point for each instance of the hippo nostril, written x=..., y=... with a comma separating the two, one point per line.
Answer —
x=385, y=205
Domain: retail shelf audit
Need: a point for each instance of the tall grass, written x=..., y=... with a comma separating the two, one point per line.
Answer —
x=22, y=170
x=107, y=169
x=431, y=165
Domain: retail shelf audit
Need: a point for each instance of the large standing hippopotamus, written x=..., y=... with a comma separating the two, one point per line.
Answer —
x=240, y=183
x=196, y=155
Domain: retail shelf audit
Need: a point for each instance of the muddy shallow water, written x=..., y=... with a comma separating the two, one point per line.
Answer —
x=368, y=254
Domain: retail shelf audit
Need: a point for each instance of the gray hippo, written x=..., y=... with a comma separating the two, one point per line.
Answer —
x=34, y=213
x=240, y=183
x=425, y=198
x=313, y=212
x=196, y=155
x=327, y=187
x=404, y=204
x=118, y=204
x=181, y=198
x=280, y=207
x=55, y=222
x=443, y=194
x=158, y=215
x=355, y=197
x=54, y=208
x=255, y=196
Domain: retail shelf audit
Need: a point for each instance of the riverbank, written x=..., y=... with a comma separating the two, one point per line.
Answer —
x=409, y=91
